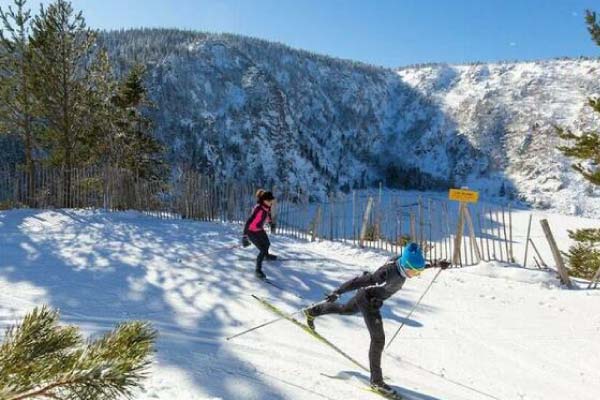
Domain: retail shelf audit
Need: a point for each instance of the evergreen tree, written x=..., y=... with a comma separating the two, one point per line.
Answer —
x=584, y=256
x=41, y=359
x=137, y=150
x=585, y=146
x=102, y=140
x=17, y=108
x=63, y=49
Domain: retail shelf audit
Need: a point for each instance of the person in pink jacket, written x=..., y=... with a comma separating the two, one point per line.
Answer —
x=254, y=231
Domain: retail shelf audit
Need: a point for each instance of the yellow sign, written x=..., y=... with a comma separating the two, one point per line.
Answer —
x=467, y=196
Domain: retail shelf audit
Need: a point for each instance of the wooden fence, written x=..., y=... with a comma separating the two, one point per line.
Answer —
x=388, y=221
x=377, y=220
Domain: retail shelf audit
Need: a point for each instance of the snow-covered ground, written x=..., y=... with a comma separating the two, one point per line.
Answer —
x=486, y=332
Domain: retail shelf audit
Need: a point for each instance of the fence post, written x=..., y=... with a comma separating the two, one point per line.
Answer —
x=413, y=227
x=508, y=247
x=331, y=216
x=472, y=234
x=527, y=241
x=510, y=232
x=459, y=232
x=538, y=254
x=491, y=226
x=562, y=271
x=421, y=222
x=365, y=221
x=354, y=217
x=315, y=224
x=274, y=218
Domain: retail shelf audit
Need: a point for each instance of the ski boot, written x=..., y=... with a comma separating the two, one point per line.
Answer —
x=384, y=389
x=310, y=319
x=260, y=275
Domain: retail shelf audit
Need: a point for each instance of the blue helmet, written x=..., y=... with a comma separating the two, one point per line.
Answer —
x=412, y=258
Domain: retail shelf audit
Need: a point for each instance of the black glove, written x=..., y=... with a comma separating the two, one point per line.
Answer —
x=375, y=302
x=245, y=241
x=332, y=297
x=443, y=264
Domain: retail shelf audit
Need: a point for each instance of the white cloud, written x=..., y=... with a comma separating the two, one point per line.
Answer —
x=512, y=44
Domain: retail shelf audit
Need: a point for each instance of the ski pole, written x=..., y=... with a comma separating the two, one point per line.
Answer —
x=413, y=309
x=276, y=320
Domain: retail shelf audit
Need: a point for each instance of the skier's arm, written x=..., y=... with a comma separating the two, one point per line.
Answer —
x=366, y=279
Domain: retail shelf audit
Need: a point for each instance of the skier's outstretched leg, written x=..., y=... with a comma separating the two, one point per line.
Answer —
x=349, y=308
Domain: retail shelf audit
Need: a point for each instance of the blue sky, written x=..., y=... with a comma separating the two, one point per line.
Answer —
x=382, y=32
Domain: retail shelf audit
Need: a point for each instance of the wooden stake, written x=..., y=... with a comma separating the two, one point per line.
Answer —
x=420, y=240
x=365, y=221
x=456, y=259
x=562, y=270
x=474, y=245
x=354, y=217
x=538, y=253
x=492, y=232
x=527, y=241
x=508, y=255
x=413, y=227
x=510, y=230
x=499, y=235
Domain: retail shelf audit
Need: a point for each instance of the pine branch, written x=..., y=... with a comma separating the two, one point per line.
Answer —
x=40, y=358
x=593, y=26
x=44, y=391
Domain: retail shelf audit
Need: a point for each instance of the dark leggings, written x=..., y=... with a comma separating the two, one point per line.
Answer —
x=372, y=317
x=261, y=241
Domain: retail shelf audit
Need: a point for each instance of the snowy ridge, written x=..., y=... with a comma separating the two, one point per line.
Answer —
x=251, y=109
x=248, y=109
x=507, y=112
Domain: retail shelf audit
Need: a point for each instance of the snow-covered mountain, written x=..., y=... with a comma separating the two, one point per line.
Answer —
x=255, y=110
x=249, y=109
x=507, y=112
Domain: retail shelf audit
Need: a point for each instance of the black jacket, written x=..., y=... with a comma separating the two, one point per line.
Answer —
x=381, y=284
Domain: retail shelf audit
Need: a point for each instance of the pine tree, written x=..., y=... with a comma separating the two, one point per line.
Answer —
x=63, y=49
x=139, y=151
x=585, y=146
x=17, y=107
x=502, y=191
x=584, y=256
x=41, y=359
x=102, y=141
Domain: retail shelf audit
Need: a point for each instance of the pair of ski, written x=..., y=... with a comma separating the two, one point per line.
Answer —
x=316, y=335
x=270, y=282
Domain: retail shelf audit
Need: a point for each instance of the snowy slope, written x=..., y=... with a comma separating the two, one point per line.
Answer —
x=507, y=111
x=488, y=332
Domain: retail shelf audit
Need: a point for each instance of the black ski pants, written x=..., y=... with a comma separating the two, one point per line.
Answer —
x=370, y=312
x=261, y=241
